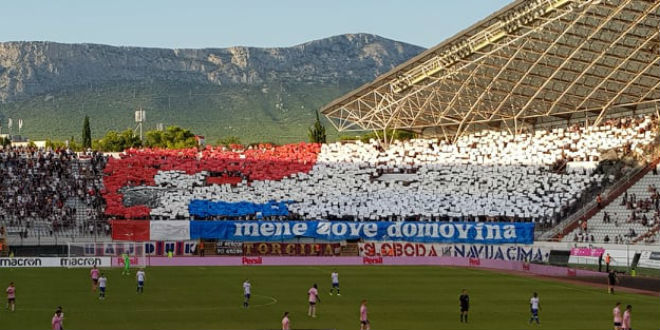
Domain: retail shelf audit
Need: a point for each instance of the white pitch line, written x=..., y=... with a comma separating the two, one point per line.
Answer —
x=273, y=301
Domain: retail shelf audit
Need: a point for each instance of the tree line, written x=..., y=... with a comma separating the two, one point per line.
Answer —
x=175, y=137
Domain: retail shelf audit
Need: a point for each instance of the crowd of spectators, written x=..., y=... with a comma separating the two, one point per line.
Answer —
x=40, y=186
x=639, y=210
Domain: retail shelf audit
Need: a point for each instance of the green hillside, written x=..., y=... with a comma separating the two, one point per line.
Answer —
x=279, y=113
x=256, y=94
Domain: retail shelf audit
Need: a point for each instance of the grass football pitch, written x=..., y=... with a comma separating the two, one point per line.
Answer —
x=398, y=298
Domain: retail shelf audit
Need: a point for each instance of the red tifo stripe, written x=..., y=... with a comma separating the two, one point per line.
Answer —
x=126, y=230
x=139, y=166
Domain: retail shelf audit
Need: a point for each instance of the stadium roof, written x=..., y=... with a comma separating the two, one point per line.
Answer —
x=531, y=59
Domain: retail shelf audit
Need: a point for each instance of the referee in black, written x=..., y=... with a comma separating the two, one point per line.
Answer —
x=612, y=281
x=464, y=300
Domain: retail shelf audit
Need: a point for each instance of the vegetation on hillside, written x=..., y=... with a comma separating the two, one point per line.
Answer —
x=173, y=137
x=272, y=112
x=86, y=134
x=225, y=115
x=317, y=132
x=117, y=141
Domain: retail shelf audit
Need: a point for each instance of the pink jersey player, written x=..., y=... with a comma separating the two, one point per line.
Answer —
x=313, y=294
x=286, y=324
x=616, y=314
x=94, y=274
x=56, y=321
x=626, y=318
x=11, y=296
x=364, y=320
x=11, y=292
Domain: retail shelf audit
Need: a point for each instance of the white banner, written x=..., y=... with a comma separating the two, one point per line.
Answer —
x=649, y=259
x=169, y=230
x=86, y=262
x=530, y=253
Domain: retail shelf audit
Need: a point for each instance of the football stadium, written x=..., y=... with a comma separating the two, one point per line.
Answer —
x=528, y=197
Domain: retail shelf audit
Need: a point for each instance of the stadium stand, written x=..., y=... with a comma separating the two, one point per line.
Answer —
x=538, y=176
x=632, y=217
x=48, y=193
x=485, y=176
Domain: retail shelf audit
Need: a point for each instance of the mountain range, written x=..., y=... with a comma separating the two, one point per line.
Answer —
x=256, y=94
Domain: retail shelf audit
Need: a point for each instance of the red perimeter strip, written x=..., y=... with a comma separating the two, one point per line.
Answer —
x=126, y=230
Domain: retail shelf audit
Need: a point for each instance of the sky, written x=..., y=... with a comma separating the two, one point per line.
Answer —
x=219, y=23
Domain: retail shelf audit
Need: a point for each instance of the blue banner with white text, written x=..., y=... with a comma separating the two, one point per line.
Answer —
x=423, y=232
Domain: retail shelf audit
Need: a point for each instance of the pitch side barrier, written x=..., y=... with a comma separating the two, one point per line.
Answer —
x=523, y=267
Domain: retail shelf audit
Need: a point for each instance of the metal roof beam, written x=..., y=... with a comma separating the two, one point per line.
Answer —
x=574, y=52
x=597, y=59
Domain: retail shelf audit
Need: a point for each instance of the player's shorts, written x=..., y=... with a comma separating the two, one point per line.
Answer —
x=365, y=322
x=535, y=312
x=247, y=296
x=95, y=280
x=617, y=324
x=335, y=285
x=140, y=283
x=464, y=308
x=102, y=289
x=312, y=303
x=11, y=300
